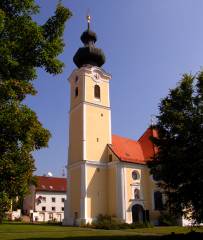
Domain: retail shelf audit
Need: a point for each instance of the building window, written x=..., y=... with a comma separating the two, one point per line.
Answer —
x=43, y=208
x=53, y=199
x=50, y=216
x=76, y=91
x=110, y=158
x=44, y=199
x=136, y=194
x=53, y=209
x=135, y=175
x=97, y=91
x=76, y=79
x=62, y=199
x=158, y=201
x=62, y=209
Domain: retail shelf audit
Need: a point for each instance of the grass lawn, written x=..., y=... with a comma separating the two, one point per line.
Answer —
x=43, y=231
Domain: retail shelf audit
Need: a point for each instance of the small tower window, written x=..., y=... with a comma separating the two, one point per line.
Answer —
x=97, y=91
x=76, y=91
x=76, y=79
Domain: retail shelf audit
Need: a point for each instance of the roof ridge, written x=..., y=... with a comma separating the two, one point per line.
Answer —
x=125, y=137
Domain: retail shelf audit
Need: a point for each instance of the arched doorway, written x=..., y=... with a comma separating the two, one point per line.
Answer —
x=137, y=213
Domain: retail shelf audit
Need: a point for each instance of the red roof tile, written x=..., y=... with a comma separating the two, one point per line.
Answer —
x=51, y=184
x=147, y=146
x=132, y=151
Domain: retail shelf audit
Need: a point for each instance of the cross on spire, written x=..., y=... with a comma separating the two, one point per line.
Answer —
x=88, y=17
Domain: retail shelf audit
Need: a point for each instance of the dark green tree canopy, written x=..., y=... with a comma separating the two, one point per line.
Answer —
x=24, y=46
x=179, y=161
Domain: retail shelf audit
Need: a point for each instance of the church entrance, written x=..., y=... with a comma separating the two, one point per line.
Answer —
x=137, y=213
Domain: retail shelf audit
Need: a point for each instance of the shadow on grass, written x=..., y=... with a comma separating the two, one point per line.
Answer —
x=172, y=236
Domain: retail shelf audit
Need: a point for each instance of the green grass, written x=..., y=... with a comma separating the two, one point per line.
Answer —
x=45, y=232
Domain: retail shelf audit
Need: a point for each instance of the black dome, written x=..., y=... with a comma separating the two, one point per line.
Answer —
x=89, y=54
x=88, y=36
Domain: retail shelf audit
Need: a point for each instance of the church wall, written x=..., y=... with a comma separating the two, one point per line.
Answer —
x=113, y=156
x=146, y=183
x=74, y=196
x=75, y=135
x=97, y=133
x=78, y=82
x=96, y=191
x=147, y=187
x=130, y=185
x=104, y=90
x=112, y=190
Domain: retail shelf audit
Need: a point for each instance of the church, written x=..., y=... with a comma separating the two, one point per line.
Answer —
x=107, y=174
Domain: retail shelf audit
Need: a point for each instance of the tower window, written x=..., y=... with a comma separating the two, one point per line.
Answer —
x=97, y=91
x=76, y=91
x=76, y=79
x=110, y=158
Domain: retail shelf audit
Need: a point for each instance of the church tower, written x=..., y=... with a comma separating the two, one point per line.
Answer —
x=89, y=134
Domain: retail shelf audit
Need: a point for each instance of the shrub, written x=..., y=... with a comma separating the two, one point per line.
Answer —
x=167, y=219
x=112, y=223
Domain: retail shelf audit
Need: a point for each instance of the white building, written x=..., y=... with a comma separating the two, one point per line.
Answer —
x=46, y=201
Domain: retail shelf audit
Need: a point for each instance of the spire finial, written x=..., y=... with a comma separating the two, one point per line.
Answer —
x=88, y=17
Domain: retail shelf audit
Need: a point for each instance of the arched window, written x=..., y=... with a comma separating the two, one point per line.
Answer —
x=158, y=201
x=136, y=193
x=76, y=91
x=97, y=91
x=76, y=79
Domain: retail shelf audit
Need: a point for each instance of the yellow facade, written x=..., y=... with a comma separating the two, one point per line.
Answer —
x=98, y=181
x=96, y=191
x=74, y=196
x=89, y=136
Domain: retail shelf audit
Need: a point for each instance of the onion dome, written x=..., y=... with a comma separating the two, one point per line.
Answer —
x=89, y=54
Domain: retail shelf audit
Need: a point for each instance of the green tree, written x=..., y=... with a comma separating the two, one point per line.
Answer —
x=24, y=47
x=178, y=163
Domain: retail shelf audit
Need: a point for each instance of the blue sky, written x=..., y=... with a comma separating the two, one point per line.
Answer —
x=148, y=45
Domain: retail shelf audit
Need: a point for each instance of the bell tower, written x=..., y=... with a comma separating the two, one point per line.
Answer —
x=89, y=134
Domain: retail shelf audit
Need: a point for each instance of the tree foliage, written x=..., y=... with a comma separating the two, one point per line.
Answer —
x=178, y=163
x=24, y=46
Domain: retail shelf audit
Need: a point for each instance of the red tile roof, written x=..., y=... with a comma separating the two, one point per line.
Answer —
x=148, y=148
x=51, y=184
x=132, y=151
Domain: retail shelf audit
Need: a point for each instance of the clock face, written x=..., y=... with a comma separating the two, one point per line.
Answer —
x=96, y=76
